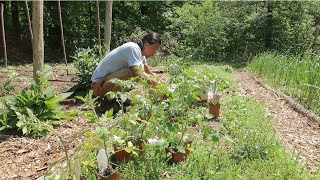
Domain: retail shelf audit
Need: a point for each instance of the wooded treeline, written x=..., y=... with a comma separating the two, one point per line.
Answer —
x=215, y=31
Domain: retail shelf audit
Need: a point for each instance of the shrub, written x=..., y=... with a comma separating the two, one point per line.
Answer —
x=34, y=110
x=85, y=62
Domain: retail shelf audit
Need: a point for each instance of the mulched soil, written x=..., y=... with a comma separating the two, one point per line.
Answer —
x=28, y=158
x=298, y=133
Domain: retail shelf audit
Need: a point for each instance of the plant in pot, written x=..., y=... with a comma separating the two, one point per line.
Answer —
x=214, y=106
x=130, y=134
x=133, y=132
x=180, y=134
x=179, y=146
x=98, y=141
x=141, y=128
x=214, y=103
x=123, y=148
x=177, y=108
x=107, y=169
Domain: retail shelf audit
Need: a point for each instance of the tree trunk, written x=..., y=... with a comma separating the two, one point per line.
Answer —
x=15, y=15
x=98, y=22
x=29, y=21
x=268, y=40
x=38, y=41
x=108, y=25
x=62, y=37
x=4, y=37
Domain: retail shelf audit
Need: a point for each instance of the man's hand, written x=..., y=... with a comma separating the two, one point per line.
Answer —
x=139, y=72
x=147, y=69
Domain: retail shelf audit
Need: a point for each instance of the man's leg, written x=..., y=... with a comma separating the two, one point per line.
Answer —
x=100, y=88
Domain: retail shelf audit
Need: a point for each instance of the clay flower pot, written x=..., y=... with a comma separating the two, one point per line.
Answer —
x=214, y=109
x=139, y=143
x=114, y=176
x=177, y=156
x=111, y=173
x=121, y=155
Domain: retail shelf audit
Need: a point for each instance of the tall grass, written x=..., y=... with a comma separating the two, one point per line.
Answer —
x=298, y=76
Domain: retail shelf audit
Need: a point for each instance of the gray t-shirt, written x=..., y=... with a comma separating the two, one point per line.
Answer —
x=127, y=55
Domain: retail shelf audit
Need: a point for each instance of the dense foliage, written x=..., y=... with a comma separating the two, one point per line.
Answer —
x=234, y=31
x=206, y=30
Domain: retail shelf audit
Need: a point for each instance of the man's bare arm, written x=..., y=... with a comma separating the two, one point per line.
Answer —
x=147, y=69
x=138, y=71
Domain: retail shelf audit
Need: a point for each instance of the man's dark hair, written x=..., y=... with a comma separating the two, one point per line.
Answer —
x=149, y=38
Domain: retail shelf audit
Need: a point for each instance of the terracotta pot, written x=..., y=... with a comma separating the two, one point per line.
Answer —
x=121, y=155
x=114, y=175
x=139, y=143
x=214, y=109
x=177, y=156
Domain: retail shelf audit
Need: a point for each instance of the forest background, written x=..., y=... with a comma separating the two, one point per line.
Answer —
x=219, y=31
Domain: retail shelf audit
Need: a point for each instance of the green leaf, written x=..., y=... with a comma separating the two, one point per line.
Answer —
x=109, y=113
x=65, y=95
x=66, y=115
x=123, y=98
x=206, y=132
x=3, y=128
x=25, y=130
x=81, y=98
x=215, y=137
x=208, y=116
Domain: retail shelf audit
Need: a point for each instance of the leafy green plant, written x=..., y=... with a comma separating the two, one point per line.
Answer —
x=7, y=87
x=85, y=61
x=121, y=96
x=37, y=102
x=89, y=101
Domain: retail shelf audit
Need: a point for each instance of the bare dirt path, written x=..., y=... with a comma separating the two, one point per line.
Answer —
x=298, y=133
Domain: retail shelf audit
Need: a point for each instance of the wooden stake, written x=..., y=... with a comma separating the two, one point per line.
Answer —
x=62, y=37
x=4, y=37
x=98, y=24
x=29, y=21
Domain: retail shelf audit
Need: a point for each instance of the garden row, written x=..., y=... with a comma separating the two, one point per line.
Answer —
x=167, y=119
x=298, y=76
x=168, y=122
x=160, y=124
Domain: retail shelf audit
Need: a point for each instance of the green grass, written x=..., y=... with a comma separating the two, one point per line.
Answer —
x=293, y=75
x=249, y=149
